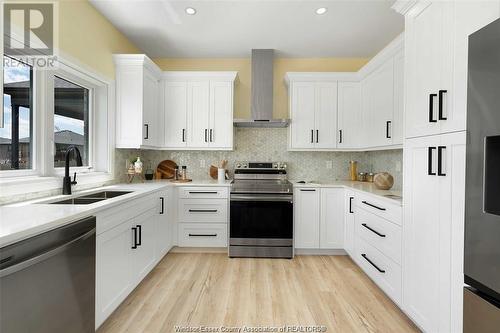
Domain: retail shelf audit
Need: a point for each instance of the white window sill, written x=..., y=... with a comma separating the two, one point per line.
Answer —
x=15, y=189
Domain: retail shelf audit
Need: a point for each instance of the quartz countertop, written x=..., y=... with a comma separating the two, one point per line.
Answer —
x=394, y=196
x=29, y=218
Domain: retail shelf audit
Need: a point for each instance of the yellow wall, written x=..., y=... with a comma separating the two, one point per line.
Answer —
x=281, y=66
x=89, y=37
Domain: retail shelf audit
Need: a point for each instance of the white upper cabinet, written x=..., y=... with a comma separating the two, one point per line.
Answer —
x=138, y=102
x=349, y=111
x=199, y=110
x=349, y=115
x=313, y=108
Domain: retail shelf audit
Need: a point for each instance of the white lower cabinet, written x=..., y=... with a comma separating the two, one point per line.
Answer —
x=319, y=218
x=349, y=222
x=144, y=253
x=202, y=235
x=165, y=230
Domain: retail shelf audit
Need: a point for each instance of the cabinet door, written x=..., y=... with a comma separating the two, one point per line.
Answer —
x=198, y=113
x=325, y=117
x=144, y=256
x=114, y=279
x=221, y=115
x=428, y=67
x=349, y=221
x=175, y=114
x=332, y=218
x=397, y=125
x=164, y=236
x=302, y=115
x=307, y=218
x=349, y=114
x=151, y=128
x=379, y=105
x=422, y=232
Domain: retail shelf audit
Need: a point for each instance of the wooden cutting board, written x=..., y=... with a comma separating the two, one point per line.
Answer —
x=166, y=169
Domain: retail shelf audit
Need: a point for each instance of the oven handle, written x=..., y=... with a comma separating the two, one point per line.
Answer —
x=240, y=197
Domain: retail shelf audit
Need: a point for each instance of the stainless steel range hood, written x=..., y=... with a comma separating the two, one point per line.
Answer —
x=262, y=92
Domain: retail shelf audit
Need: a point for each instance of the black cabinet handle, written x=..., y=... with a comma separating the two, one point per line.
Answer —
x=203, y=210
x=312, y=136
x=202, y=235
x=147, y=131
x=371, y=263
x=440, y=161
x=134, y=231
x=307, y=190
x=429, y=161
x=162, y=205
x=317, y=136
x=202, y=192
x=372, y=205
x=183, y=135
x=211, y=135
x=372, y=230
x=139, y=232
x=387, y=127
x=431, y=108
x=350, y=205
x=206, y=135
x=440, y=102
x=340, y=136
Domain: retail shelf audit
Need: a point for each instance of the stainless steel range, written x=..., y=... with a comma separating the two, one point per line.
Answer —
x=261, y=215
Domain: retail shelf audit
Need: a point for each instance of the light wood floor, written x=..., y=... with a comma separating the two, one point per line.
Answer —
x=211, y=289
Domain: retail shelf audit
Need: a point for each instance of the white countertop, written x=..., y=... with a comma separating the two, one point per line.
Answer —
x=393, y=196
x=26, y=219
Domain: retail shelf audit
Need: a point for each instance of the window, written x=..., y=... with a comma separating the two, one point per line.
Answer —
x=16, y=135
x=71, y=120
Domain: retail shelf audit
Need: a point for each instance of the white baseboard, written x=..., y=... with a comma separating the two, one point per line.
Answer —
x=320, y=252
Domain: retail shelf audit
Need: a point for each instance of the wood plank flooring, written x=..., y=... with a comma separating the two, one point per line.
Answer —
x=210, y=289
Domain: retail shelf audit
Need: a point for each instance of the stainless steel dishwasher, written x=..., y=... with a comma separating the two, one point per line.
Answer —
x=47, y=282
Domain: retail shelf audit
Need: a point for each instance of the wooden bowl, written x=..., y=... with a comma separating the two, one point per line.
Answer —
x=383, y=181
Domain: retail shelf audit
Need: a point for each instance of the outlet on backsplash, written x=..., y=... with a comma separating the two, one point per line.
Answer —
x=202, y=163
x=329, y=164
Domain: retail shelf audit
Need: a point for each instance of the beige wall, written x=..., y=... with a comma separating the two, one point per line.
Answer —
x=281, y=66
x=89, y=37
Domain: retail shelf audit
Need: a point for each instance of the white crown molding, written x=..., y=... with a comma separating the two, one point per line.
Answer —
x=138, y=60
x=321, y=76
x=403, y=6
x=394, y=47
x=196, y=75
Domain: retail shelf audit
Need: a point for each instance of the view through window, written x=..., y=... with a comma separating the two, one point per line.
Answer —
x=16, y=138
x=71, y=120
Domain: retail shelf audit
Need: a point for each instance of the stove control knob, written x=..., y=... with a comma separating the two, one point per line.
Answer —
x=238, y=165
x=283, y=165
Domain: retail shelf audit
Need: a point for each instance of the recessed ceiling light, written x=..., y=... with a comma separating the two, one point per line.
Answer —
x=190, y=11
x=321, y=10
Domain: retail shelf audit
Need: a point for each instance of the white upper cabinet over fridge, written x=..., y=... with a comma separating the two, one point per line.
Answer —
x=138, y=102
x=198, y=110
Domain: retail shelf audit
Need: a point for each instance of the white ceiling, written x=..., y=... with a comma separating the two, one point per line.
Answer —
x=231, y=28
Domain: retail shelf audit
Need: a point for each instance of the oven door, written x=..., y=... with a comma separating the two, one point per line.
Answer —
x=261, y=220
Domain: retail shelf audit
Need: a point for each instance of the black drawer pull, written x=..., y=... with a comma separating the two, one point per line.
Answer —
x=307, y=190
x=134, y=245
x=147, y=131
x=202, y=235
x=350, y=205
x=203, y=210
x=162, y=205
x=387, y=129
x=440, y=112
x=371, y=263
x=139, y=231
x=200, y=192
x=372, y=205
x=430, y=153
x=440, y=161
x=374, y=231
x=431, y=108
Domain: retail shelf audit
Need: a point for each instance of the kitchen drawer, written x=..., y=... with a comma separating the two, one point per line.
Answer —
x=380, y=207
x=202, y=235
x=380, y=233
x=203, y=210
x=382, y=270
x=209, y=192
x=114, y=216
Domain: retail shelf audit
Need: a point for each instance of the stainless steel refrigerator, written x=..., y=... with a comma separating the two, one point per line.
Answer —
x=482, y=205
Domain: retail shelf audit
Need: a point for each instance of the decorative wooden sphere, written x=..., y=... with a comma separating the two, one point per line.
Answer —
x=383, y=180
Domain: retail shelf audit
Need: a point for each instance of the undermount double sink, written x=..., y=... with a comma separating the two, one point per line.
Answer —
x=91, y=198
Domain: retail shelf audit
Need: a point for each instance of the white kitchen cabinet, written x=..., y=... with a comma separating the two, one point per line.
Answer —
x=199, y=110
x=165, y=230
x=349, y=207
x=434, y=179
x=332, y=218
x=144, y=255
x=138, y=102
x=349, y=115
x=307, y=218
x=396, y=128
x=313, y=110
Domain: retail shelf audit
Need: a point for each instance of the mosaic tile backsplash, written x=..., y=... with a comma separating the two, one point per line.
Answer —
x=270, y=144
